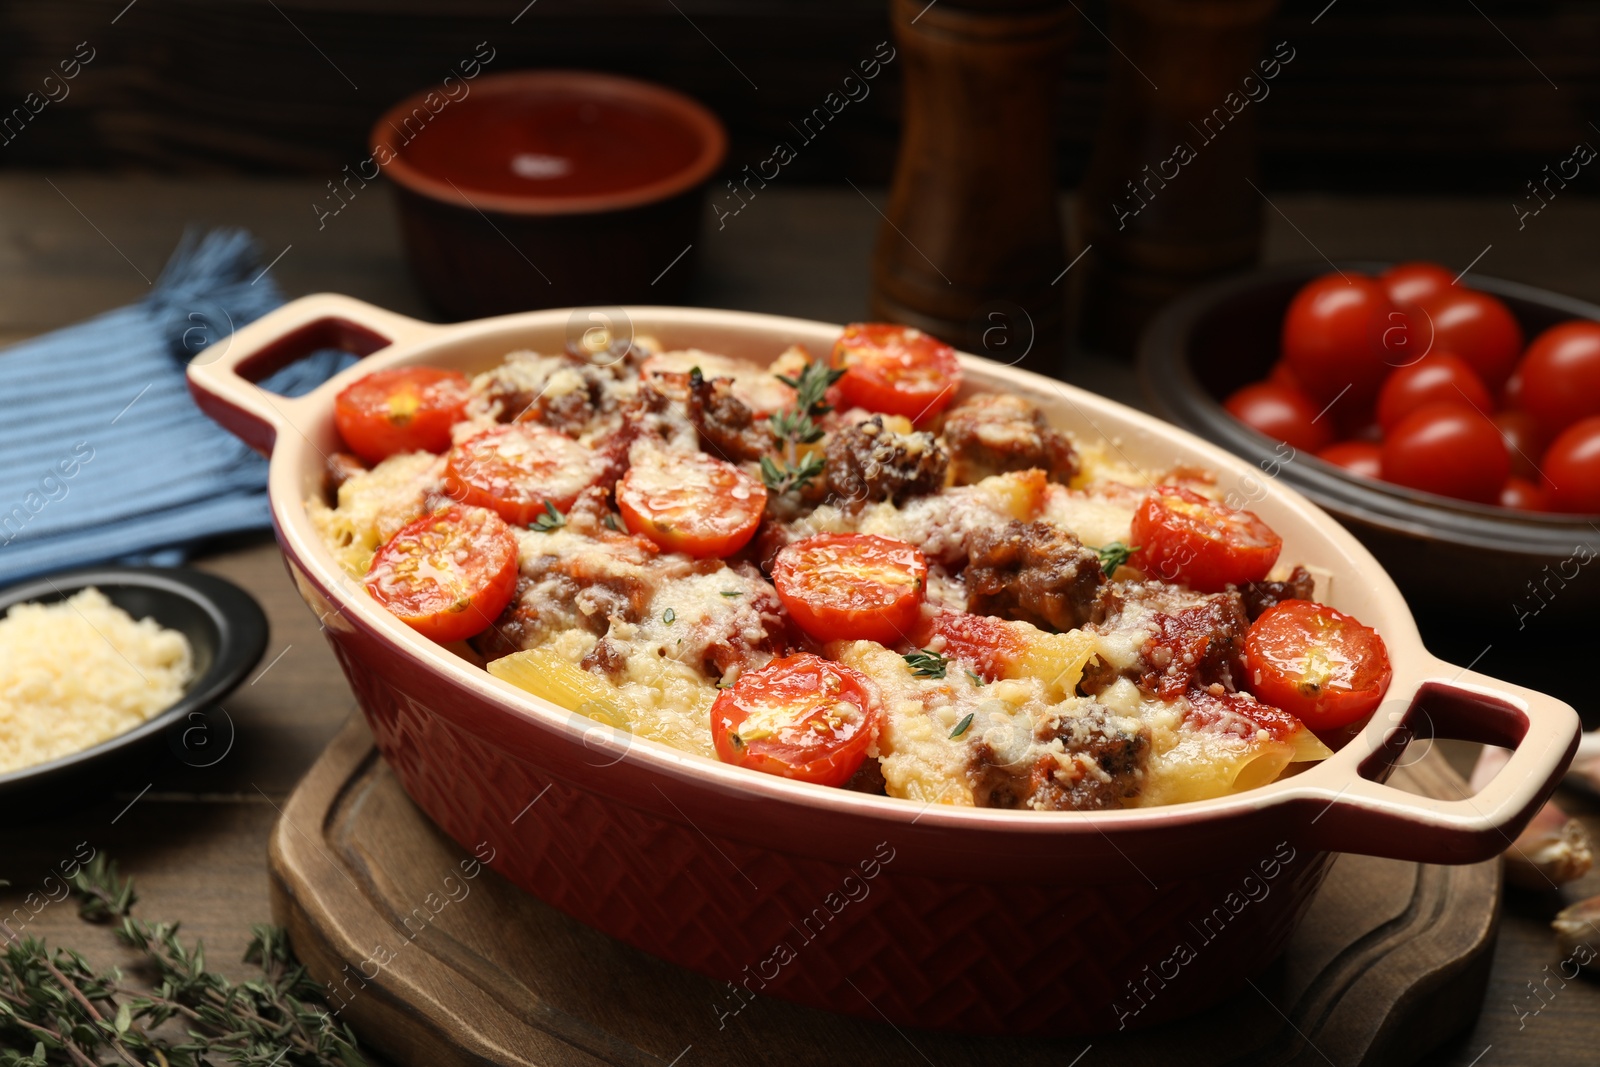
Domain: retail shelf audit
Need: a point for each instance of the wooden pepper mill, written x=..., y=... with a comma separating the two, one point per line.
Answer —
x=972, y=247
x=1168, y=200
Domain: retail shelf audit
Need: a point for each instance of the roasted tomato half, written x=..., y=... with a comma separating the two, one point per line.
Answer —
x=897, y=370
x=691, y=502
x=990, y=645
x=852, y=587
x=408, y=409
x=801, y=717
x=1183, y=537
x=448, y=575
x=1317, y=663
x=519, y=468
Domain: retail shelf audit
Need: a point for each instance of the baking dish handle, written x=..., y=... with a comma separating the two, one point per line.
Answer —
x=222, y=378
x=1371, y=818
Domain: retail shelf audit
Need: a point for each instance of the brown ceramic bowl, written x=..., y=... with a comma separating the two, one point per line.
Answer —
x=549, y=188
x=1487, y=562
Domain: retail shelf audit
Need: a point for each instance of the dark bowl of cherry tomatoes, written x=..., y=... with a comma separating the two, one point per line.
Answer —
x=1452, y=423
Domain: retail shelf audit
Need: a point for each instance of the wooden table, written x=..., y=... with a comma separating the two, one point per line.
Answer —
x=195, y=840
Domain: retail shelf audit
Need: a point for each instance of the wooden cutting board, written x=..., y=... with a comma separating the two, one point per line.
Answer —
x=1391, y=960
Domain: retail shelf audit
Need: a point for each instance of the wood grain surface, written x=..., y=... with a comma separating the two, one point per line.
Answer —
x=197, y=839
x=443, y=963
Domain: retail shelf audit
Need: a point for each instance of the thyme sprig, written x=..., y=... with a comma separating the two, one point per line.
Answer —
x=925, y=663
x=550, y=519
x=1114, y=555
x=796, y=426
x=57, y=1009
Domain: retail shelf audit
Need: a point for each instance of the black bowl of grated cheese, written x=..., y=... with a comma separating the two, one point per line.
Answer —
x=109, y=673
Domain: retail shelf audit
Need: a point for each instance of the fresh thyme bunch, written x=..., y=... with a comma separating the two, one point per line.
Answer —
x=56, y=1009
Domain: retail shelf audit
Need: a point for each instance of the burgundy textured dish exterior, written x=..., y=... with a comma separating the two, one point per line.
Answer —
x=1084, y=953
x=971, y=919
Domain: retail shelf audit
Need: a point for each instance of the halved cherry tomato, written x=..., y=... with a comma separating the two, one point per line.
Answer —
x=1572, y=469
x=691, y=502
x=990, y=645
x=1316, y=663
x=1410, y=283
x=1236, y=713
x=1183, y=537
x=1449, y=449
x=519, y=468
x=1560, y=374
x=448, y=575
x=1436, y=376
x=897, y=370
x=1341, y=336
x=1361, y=458
x=1281, y=412
x=852, y=587
x=407, y=409
x=1522, y=495
x=1475, y=326
x=801, y=717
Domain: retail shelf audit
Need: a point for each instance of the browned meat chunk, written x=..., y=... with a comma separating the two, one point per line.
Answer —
x=1032, y=572
x=992, y=434
x=604, y=658
x=726, y=425
x=1259, y=596
x=1188, y=640
x=868, y=463
x=1103, y=767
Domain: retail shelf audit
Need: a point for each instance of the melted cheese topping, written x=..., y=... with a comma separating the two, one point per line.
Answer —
x=647, y=637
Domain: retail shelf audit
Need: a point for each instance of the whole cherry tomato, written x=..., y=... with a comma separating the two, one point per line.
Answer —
x=1282, y=413
x=1316, y=663
x=1449, y=449
x=1560, y=374
x=1281, y=374
x=1436, y=376
x=1409, y=283
x=1475, y=326
x=1519, y=494
x=1525, y=439
x=1342, y=334
x=1572, y=469
x=1361, y=458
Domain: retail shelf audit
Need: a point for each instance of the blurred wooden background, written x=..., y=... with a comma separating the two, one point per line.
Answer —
x=1409, y=96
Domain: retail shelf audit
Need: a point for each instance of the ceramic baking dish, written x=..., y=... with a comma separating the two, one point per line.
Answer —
x=973, y=919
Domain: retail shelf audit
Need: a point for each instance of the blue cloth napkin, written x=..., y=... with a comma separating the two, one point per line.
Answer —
x=103, y=454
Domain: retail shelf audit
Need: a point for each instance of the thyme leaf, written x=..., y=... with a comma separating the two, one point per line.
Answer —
x=1113, y=556
x=925, y=664
x=550, y=520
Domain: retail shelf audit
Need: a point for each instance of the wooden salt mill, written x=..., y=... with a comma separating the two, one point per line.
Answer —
x=972, y=247
x=1160, y=219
